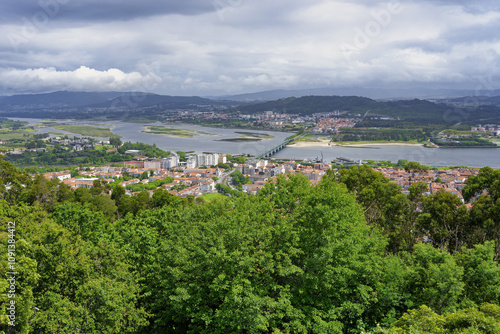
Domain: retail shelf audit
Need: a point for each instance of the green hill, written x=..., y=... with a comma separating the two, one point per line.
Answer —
x=415, y=110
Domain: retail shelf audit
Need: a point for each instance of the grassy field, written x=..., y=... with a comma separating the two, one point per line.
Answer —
x=212, y=197
x=23, y=133
x=174, y=132
x=90, y=131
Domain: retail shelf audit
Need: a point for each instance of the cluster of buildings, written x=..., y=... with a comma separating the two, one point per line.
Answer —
x=269, y=118
x=173, y=161
x=195, y=177
x=79, y=144
x=76, y=144
x=205, y=160
x=491, y=128
x=23, y=150
x=333, y=125
x=261, y=171
x=274, y=119
x=187, y=180
x=450, y=180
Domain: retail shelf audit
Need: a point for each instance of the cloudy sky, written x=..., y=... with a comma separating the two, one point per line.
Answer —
x=218, y=47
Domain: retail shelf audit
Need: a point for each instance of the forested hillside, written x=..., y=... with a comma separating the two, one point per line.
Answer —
x=352, y=254
x=414, y=111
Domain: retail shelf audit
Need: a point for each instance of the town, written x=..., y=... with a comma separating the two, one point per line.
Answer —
x=202, y=173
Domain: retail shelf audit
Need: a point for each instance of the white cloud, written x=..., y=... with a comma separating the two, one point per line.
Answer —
x=81, y=79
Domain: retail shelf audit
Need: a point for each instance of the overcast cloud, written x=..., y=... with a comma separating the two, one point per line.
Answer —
x=200, y=47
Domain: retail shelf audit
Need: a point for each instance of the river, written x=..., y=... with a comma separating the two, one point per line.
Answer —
x=474, y=157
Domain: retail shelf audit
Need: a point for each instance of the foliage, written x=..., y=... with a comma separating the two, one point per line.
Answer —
x=351, y=254
x=464, y=142
x=385, y=206
x=483, y=191
x=66, y=283
x=484, y=319
x=444, y=220
x=262, y=265
x=149, y=186
x=147, y=150
x=238, y=179
x=415, y=167
x=115, y=141
x=236, y=159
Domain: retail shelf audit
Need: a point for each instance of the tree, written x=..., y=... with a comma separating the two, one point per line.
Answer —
x=81, y=220
x=415, y=167
x=12, y=180
x=484, y=319
x=97, y=187
x=69, y=284
x=437, y=279
x=237, y=179
x=43, y=192
x=483, y=192
x=117, y=193
x=386, y=207
x=402, y=162
x=444, y=220
x=481, y=274
x=294, y=258
x=162, y=198
x=182, y=156
x=115, y=141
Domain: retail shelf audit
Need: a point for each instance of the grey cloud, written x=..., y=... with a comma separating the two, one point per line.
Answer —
x=477, y=33
x=101, y=10
x=471, y=6
x=242, y=45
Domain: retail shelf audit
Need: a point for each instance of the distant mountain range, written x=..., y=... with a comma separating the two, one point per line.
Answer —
x=65, y=104
x=133, y=100
x=373, y=93
x=62, y=99
x=113, y=100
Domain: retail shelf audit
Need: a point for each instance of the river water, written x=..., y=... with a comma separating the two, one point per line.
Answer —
x=474, y=157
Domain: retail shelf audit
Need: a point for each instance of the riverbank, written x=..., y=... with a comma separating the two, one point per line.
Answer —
x=320, y=142
x=328, y=143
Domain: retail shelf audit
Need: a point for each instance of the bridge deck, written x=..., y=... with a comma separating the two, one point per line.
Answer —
x=273, y=150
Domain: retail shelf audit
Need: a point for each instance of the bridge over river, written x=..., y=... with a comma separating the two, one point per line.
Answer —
x=270, y=152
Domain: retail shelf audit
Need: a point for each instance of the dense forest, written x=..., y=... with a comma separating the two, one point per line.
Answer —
x=352, y=254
